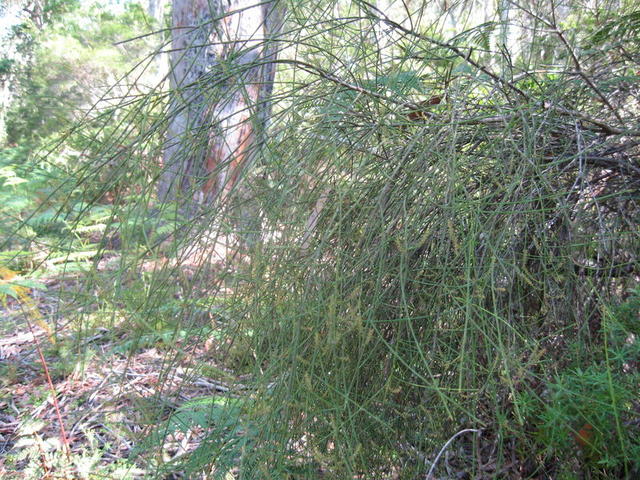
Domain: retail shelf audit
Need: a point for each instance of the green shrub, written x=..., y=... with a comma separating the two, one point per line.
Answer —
x=592, y=414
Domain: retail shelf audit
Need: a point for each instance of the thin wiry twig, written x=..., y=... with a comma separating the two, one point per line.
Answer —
x=446, y=445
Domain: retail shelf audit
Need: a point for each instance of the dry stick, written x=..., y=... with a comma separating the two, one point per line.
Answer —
x=312, y=221
x=606, y=128
x=584, y=76
x=553, y=26
x=446, y=445
x=603, y=127
x=63, y=433
x=465, y=56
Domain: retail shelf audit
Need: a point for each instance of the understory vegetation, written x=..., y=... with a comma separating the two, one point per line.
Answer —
x=429, y=268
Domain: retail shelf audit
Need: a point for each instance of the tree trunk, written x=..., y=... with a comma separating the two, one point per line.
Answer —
x=222, y=74
x=155, y=9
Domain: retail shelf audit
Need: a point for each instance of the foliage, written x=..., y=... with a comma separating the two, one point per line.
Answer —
x=594, y=410
x=460, y=262
x=73, y=61
x=444, y=238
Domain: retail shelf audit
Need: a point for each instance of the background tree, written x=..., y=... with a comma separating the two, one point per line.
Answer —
x=222, y=74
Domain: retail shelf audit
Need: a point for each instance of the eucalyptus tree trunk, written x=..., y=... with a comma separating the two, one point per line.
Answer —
x=155, y=8
x=221, y=74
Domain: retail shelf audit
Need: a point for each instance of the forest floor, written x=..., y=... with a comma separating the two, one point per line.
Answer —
x=82, y=405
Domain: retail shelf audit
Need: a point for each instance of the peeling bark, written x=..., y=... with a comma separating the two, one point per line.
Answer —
x=222, y=74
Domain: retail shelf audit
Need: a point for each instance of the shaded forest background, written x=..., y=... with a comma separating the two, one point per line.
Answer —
x=427, y=266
